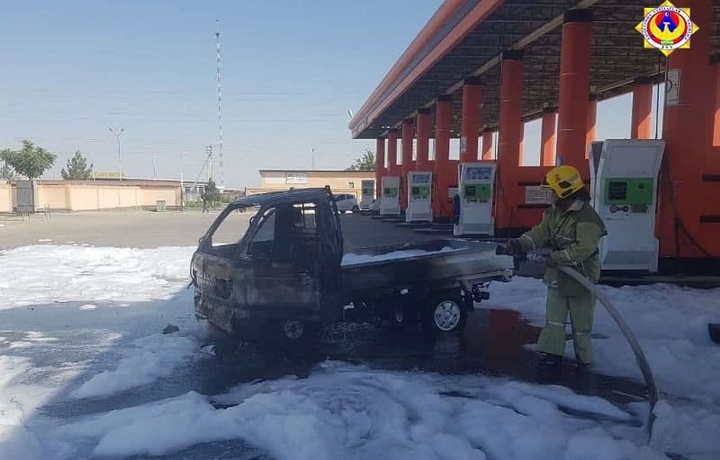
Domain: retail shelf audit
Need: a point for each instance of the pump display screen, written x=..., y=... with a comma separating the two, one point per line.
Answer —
x=421, y=179
x=630, y=191
x=478, y=193
x=478, y=173
x=368, y=187
x=617, y=190
x=390, y=192
x=420, y=193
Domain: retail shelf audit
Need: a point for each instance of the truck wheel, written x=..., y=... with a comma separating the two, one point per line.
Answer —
x=295, y=330
x=445, y=314
x=355, y=209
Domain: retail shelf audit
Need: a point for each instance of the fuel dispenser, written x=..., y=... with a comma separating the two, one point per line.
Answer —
x=474, y=202
x=419, y=206
x=624, y=182
x=368, y=193
x=390, y=203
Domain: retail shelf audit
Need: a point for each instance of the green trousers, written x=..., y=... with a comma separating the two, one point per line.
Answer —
x=582, y=312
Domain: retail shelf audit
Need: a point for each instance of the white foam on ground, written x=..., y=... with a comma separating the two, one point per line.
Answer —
x=352, y=259
x=44, y=274
x=147, y=360
x=348, y=412
x=17, y=405
x=351, y=412
x=669, y=322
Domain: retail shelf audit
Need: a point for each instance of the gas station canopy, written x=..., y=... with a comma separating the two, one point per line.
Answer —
x=466, y=39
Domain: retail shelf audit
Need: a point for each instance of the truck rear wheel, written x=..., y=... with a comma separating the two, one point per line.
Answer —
x=445, y=314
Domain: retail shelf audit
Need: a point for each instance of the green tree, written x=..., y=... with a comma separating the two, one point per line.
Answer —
x=77, y=168
x=364, y=163
x=31, y=161
x=7, y=173
x=211, y=194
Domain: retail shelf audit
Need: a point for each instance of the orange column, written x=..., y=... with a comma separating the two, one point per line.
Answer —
x=547, y=141
x=487, y=144
x=510, y=137
x=470, y=123
x=380, y=168
x=444, y=174
x=521, y=155
x=715, y=62
x=574, y=88
x=392, y=137
x=641, y=125
x=423, y=140
x=408, y=135
x=686, y=207
x=591, y=124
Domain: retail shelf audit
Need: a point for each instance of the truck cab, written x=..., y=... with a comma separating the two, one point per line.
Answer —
x=283, y=271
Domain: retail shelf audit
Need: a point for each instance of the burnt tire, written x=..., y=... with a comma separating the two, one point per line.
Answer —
x=445, y=314
x=297, y=331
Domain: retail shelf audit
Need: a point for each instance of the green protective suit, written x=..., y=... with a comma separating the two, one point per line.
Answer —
x=573, y=237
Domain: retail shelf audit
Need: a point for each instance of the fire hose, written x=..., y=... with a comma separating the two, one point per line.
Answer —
x=640, y=359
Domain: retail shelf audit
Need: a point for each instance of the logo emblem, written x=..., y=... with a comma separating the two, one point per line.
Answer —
x=667, y=28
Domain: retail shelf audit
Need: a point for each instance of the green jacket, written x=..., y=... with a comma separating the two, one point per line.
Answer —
x=573, y=237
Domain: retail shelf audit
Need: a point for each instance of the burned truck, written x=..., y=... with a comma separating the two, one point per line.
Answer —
x=287, y=274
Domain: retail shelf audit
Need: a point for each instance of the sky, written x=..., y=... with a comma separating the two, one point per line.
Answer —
x=291, y=70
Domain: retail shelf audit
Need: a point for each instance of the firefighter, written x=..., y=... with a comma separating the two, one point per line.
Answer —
x=571, y=230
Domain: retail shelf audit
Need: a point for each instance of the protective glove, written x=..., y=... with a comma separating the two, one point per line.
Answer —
x=514, y=247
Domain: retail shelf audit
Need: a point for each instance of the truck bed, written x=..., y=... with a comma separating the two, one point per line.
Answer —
x=437, y=261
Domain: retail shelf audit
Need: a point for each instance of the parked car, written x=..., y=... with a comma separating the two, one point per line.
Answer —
x=346, y=202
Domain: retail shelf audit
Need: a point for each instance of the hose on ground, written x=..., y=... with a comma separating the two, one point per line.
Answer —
x=653, y=393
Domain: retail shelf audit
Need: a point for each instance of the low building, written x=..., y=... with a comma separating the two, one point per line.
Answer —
x=275, y=180
x=89, y=195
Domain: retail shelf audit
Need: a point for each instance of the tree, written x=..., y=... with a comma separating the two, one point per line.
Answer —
x=77, y=168
x=364, y=163
x=7, y=173
x=31, y=161
x=211, y=194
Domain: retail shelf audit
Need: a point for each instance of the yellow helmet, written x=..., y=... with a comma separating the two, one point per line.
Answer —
x=563, y=180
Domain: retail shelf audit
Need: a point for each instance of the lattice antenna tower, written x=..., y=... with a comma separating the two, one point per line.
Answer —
x=219, y=107
x=209, y=161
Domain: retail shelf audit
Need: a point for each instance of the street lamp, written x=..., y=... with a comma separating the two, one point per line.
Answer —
x=117, y=132
x=182, y=182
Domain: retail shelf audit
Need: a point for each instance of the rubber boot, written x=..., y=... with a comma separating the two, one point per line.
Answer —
x=548, y=368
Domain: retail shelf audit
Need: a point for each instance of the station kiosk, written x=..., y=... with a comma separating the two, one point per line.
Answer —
x=474, y=206
x=624, y=187
x=390, y=202
x=419, y=206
